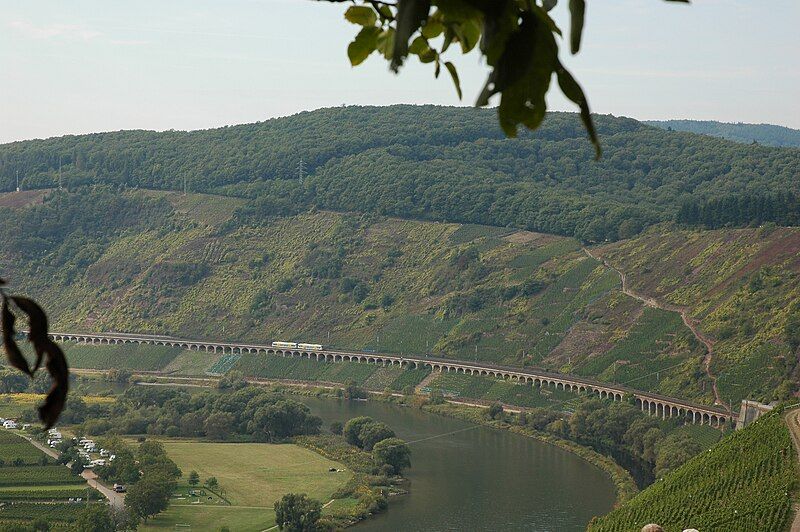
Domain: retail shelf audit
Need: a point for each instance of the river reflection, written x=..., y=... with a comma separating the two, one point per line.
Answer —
x=477, y=478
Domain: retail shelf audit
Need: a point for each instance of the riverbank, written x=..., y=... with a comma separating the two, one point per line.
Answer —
x=366, y=493
x=623, y=481
x=471, y=410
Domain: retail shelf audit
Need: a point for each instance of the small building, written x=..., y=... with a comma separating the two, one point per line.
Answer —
x=750, y=411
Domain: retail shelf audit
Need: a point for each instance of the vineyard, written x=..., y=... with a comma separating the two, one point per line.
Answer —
x=17, y=451
x=492, y=389
x=127, y=356
x=368, y=375
x=37, y=475
x=59, y=512
x=225, y=363
x=40, y=491
x=744, y=483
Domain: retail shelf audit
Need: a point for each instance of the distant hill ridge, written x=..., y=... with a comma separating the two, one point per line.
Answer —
x=440, y=163
x=766, y=134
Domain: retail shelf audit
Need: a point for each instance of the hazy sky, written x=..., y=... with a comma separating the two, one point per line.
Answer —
x=80, y=66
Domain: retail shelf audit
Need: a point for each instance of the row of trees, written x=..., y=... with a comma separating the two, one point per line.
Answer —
x=250, y=412
x=736, y=210
x=618, y=428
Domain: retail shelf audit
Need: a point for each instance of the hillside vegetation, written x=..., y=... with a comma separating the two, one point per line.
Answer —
x=436, y=163
x=767, y=134
x=353, y=281
x=189, y=267
x=744, y=483
x=741, y=287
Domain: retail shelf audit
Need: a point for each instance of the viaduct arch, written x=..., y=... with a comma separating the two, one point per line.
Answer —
x=650, y=403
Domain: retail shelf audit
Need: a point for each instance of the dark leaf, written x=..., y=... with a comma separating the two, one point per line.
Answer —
x=57, y=396
x=523, y=75
x=418, y=46
x=571, y=89
x=577, y=10
x=499, y=22
x=410, y=15
x=37, y=333
x=468, y=34
x=452, y=69
x=13, y=354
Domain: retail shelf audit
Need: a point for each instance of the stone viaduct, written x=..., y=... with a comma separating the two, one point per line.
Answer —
x=653, y=404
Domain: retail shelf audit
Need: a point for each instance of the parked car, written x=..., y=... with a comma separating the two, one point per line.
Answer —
x=119, y=488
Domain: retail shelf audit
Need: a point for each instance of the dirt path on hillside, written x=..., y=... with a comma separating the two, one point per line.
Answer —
x=793, y=421
x=425, y=382
x=690, y=322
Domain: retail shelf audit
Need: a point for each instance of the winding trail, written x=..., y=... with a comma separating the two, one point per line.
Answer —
x=792, y=419
x=690, y=322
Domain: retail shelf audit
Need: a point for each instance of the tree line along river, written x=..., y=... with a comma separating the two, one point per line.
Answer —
x=471, y=477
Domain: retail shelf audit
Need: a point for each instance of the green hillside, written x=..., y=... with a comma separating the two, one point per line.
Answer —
x=740, y=286
x=437, y=163
x=188, y=268
x=744, y=483
x=767, y=134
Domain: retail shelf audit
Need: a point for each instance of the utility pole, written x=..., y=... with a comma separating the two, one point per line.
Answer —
x=301, y=170
x=184, y=185
x=17, y=180
x=60, y=185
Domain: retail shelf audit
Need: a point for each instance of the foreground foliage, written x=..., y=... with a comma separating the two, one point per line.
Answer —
x=746, y=482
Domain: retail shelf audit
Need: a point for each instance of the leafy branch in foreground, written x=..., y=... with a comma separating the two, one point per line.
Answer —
x=45, y=349
x=517, y=38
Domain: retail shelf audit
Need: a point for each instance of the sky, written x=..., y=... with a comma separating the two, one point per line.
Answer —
x=80, y=66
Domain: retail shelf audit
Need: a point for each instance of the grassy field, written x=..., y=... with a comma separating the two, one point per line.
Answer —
x=14, y=404
x=253, y=476
x=744, y=483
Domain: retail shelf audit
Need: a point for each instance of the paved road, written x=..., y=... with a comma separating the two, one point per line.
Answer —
x=117, y=500
x=793, y=421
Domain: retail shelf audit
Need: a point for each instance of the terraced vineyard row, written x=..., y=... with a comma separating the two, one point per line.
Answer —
x=469, y=386
x=743, y=483
x=127, y=356
x=372, y=376
x=40, y=491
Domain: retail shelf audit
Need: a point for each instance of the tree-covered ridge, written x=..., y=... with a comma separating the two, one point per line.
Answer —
x=436, y=163
x=767, y=134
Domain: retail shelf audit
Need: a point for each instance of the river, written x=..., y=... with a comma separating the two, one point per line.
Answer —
x=470, y=477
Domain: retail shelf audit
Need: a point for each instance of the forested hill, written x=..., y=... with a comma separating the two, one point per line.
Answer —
x=440, y=163
x=767, y=134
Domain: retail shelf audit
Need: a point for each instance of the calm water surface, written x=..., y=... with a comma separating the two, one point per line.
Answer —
x=477, y=478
